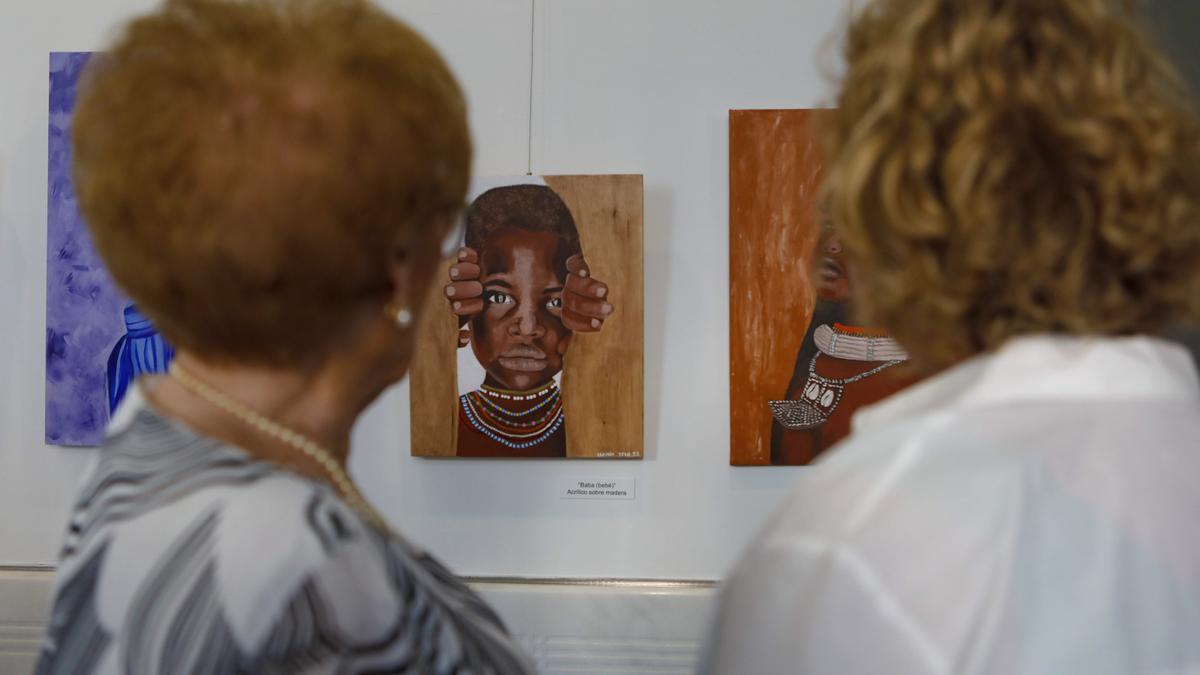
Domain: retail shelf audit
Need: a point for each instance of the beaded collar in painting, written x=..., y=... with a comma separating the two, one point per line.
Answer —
x=843, y=343
x=508, y=395
x=517, y=429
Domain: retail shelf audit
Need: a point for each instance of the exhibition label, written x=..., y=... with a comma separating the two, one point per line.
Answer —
x=597, y=488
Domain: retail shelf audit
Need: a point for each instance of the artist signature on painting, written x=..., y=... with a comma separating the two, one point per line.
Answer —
x=618, y=453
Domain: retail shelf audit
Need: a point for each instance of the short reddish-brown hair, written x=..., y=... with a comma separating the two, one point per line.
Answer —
x=1009, y=167
x=249, y=167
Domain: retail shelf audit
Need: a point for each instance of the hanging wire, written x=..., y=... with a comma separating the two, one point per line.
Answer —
x=529, y=137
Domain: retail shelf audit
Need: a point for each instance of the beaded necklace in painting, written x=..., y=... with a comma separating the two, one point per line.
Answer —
x=509, y=395
x=517, y=429
x=857, y=344
x=821, y=395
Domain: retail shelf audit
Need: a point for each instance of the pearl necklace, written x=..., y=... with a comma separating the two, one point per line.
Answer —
x=333, y=469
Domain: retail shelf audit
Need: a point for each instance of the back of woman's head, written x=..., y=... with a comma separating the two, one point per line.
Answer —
x=249, y=168
x=1005, y=167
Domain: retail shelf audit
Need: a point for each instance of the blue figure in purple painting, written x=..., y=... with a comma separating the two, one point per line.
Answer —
x=140, y=351
x=97, y=343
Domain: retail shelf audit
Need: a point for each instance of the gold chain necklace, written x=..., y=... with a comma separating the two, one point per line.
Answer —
x=333, y=469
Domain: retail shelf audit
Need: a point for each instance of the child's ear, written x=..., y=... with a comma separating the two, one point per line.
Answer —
x=464, y=336
x=563, y=344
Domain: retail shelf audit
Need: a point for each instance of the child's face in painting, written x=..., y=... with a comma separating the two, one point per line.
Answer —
x=519, y=337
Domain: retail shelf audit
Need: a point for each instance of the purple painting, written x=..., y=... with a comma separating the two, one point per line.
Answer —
x=96, y=341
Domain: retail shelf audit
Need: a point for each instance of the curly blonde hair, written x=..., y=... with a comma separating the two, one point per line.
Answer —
x=250, y=168
x=1006, y=167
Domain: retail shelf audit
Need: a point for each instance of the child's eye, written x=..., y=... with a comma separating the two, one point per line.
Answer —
x=497, y=298
x=554, y=303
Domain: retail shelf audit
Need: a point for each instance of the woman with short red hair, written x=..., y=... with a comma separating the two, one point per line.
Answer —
x=272, y=182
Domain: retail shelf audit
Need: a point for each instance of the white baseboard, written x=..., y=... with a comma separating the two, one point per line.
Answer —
x=569, y=627
x=599, y=628
x=24, y=601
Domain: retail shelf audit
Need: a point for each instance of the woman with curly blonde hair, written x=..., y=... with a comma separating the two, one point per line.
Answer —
x=273, y=182
x=1017, y=186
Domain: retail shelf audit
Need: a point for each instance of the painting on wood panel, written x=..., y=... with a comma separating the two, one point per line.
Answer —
x=97, y=342
x=800, y=367
x=532, y=344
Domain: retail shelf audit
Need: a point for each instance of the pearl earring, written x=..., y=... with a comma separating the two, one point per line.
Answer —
x=401, y=315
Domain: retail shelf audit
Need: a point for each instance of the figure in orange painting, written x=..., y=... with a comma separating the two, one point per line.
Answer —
x=839, y=369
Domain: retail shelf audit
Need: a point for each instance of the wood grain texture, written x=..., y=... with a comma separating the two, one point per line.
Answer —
x=602, y=376
x=433, y=381
x=602, y=372
x=774, y=178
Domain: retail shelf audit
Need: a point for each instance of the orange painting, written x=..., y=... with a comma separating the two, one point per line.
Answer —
x=800, y=368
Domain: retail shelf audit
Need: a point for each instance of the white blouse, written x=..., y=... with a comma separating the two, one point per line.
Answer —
x=1029, y=511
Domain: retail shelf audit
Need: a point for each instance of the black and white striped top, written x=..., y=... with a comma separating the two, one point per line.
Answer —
x=184, y=555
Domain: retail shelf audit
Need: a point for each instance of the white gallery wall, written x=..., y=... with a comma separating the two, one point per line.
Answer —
x=556, y=86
